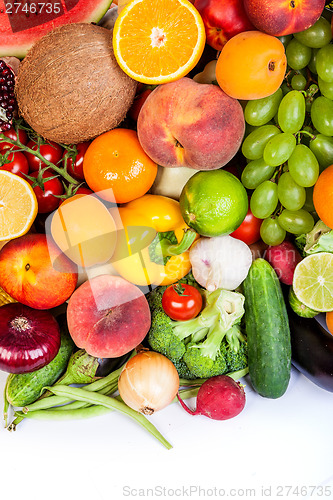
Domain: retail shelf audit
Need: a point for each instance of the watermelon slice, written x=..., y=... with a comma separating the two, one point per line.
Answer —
x=24, y=22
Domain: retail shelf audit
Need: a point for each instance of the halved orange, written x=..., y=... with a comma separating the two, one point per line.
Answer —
x=158, y=42
x=18, y=206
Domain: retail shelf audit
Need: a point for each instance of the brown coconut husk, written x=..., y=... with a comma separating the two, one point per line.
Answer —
x=70, y=87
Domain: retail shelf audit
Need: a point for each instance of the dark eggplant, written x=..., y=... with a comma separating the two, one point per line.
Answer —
x=312, y=349
x=108, y=365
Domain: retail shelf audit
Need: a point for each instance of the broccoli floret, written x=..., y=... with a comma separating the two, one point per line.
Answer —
x=209, y=358
x=183, y=370
x=236, y=350
x=162, y=336
x=203, y=366
x=215, y=356
x=206, y=345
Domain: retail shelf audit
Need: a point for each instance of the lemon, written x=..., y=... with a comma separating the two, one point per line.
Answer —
x=313, y=281
x=213, y=202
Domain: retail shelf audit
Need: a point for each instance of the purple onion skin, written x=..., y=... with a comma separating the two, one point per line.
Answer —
x=29, y=338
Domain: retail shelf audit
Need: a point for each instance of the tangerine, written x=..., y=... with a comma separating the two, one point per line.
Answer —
x=116, y=167
x=329, y=321
x=323, y=196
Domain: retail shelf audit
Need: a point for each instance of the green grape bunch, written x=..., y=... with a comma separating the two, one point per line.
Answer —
x=289, y=136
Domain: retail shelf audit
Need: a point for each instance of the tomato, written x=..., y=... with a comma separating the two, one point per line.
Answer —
x=11, y=134
x=84, y=190
x=249, y=230
x=16, y=163
x=51, y=152
x=73, y=160
x=46, y=197
x=181, y=302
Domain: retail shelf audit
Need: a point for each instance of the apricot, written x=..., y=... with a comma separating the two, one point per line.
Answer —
x=251, y=65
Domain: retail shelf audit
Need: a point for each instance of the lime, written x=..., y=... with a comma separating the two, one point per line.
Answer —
x=313, y=281
x=213, y=202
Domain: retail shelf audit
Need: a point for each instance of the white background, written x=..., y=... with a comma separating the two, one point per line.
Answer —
x=283, y=442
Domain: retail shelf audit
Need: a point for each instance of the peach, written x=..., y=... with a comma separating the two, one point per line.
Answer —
x=283, y=17
x=189, y=124
x=108, y=316
x=29, y=272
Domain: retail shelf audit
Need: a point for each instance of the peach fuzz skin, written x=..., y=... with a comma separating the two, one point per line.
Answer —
x=193, y=125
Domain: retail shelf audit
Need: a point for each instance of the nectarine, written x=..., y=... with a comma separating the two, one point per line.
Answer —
x=193, y=125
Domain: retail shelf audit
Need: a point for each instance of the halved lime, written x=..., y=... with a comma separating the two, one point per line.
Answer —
x=313, y=281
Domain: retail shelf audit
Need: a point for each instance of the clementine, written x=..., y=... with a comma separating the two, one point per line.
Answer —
x=329, y=321
x=323, y=196
x=116, y=167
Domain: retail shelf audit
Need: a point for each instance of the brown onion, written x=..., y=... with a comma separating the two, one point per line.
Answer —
x=29, y=338
x=148, y=382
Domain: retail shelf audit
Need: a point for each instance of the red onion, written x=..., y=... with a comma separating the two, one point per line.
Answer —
x=219, y=398
x=29, y=338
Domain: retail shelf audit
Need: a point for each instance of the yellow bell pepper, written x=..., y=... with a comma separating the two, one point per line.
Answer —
x=144, y=255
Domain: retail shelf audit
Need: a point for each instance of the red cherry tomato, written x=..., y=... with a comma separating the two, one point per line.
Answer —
x=51, y=152
x=11, y=134
x=47, y=202
x=16, y=163
x=249, y=230
x=83, y=190
x=181, y=302
x=74, y=163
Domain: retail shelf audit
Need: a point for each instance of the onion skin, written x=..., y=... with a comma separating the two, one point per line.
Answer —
x=148, y=382
x=29, y=338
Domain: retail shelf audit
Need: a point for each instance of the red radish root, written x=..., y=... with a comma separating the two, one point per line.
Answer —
x=219, y=398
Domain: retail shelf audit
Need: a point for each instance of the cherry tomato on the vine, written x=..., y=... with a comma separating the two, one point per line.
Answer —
x=16, y=163
x=74, y=163
x=46, y=197
x=83, y=190
x=181, y=301
x=249, y=230
x=11, y=134
x=51, y=152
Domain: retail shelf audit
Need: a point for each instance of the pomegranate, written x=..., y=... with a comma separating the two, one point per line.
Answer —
x=8, y=107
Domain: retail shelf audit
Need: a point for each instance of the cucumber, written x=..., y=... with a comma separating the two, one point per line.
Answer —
x=23, y=389
x=267, y=329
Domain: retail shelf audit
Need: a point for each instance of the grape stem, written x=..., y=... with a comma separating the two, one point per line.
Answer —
x=306, y=132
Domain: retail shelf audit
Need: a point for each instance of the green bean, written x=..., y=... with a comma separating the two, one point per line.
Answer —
x=82, y=412
x=199, y=381
x=109, y=402
x=92, y=411
x=81, y=404
x=96, y=386
x=6, y=403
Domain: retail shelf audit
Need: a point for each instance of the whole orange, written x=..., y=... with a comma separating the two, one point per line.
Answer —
x=116, y=167
x=251, y=65
x=329, y=321
x=323, y=196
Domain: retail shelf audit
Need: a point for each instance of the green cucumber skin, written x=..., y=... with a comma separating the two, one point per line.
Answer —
x=23, y=389
x=268, y=332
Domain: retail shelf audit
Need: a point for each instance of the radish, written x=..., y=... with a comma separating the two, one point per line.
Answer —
x=219, y=398
x=283, y=258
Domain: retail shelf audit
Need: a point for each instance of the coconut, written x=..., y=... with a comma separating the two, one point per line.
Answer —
x=69, y=86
